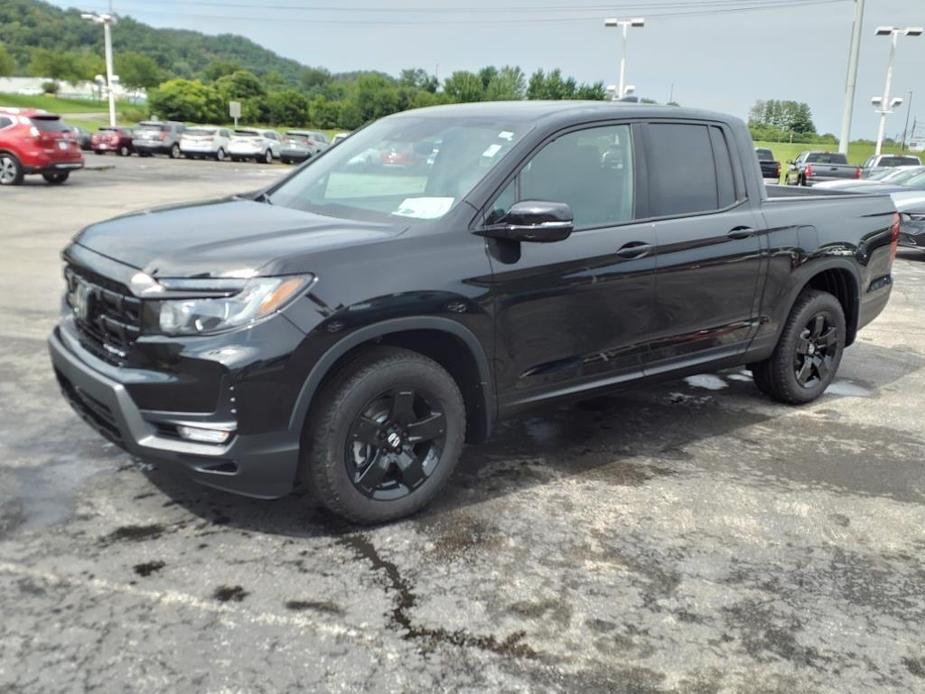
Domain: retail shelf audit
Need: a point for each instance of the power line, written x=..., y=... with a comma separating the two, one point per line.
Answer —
x=748, y=7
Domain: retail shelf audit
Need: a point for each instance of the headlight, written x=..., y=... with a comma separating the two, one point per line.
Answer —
x=260, y=297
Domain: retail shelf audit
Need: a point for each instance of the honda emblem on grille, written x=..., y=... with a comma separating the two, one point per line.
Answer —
x=80, y=300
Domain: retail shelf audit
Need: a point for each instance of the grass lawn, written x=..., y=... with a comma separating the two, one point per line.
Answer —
x=54, y=104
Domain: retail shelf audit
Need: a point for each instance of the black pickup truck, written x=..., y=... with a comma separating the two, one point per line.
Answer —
x=770, y=168
x=352, y=325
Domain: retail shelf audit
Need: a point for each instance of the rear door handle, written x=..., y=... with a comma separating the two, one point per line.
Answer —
x=741, y=232
x=635, y=249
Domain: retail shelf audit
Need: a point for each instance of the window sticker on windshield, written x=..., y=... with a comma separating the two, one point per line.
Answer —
x=424, y=208
x=506, y=135
x=491, y=151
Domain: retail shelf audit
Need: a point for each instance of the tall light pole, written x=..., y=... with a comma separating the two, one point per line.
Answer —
x=885, y=103
x=107, y=20
x=624, y=24
x=906, y=126
x=852, y=78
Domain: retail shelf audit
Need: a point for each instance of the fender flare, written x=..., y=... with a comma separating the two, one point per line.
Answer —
x=370, y=332
x=805, y=275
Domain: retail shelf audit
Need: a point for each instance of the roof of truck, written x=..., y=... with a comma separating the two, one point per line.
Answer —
x=565, y=110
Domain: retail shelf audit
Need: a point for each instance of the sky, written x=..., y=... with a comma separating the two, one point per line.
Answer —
x=706, y=53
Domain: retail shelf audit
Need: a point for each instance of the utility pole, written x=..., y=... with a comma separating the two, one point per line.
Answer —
x=107, y=20
x=852, y=77
x=886, y=103
x=906, y=126
x=624, y=24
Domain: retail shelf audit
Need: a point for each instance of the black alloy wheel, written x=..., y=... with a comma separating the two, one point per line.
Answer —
x=383, y=436
x=395, y=443
x=815, y=351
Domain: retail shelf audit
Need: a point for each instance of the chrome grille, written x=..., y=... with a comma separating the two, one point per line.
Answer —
x=108, y=317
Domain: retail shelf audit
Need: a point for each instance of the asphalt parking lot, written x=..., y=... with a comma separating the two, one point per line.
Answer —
x=689, y=537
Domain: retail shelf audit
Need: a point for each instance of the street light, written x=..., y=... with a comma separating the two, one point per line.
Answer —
x=107, y=20
x=624, y=24
x=885, y=103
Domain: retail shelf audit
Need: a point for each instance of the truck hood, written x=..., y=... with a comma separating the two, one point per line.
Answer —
x=223, y=238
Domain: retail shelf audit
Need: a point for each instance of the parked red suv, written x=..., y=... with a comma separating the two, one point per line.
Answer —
x=36, y=142
x=108, y=139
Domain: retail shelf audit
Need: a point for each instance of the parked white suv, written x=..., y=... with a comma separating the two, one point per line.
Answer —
x=253, y=143
x=203, y=141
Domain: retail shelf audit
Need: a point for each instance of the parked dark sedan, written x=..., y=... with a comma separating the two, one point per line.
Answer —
x=83, y=137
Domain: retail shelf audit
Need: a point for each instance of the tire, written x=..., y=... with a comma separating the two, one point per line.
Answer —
x=362, y=400
x=175, y=151
x=98, y=151
x=11, y=172
x=124, y=151
x=57, y=177
x=220, y=155
x=805, y=343
x=268, y=157
x=236, y=159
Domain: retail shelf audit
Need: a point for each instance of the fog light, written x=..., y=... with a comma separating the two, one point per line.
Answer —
x=203, y=435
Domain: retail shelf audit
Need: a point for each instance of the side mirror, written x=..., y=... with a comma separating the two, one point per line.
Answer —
x=536, y=221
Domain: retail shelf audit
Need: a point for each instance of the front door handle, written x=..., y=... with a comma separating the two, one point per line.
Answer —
x=741, y=233
x=635, y=249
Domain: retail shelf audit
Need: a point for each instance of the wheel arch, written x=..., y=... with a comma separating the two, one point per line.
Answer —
x=449, y=343
x=839, y=279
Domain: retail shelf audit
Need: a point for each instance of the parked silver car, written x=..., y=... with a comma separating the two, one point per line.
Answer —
x=299, y=145
x=158, y=137
x=877, y=162
x=254, y=143
x=199, y=142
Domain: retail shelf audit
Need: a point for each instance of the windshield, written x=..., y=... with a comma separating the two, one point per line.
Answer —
x=416, y=167
x=899, y=161
x=156, y=127
x=826, y=158
x=199, y=131
x=900, y=175
x=764, y=155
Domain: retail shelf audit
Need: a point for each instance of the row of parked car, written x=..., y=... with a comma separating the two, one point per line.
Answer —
x=814, y=167
x=206, y=142
x=33, y=141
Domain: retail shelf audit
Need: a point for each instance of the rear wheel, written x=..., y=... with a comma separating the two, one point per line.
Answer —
x=124, y=151
x=268, y=157
x=56, y=177
x=175, y=151
x=385, y=436
x=11, y=172
x=234, y=158
x=220, y=155
x=808, y=353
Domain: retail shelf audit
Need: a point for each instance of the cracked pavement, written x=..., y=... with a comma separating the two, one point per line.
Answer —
x=687, y=537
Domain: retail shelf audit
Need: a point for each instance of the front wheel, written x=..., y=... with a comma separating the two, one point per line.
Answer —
x=124, y=151
x=384, y=436
x=220, y=155
x=56, y=177
x=268, y=157
x=11, y=172
x=175, y=151
x=808, y=353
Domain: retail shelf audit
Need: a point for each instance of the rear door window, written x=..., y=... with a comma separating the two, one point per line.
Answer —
x=683, y=177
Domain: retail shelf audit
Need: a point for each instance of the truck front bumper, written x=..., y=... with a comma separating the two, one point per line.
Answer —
x=258, y=465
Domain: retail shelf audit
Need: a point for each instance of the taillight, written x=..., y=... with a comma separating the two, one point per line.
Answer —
x=894, y=236
x=808, y=171
x=857, y=172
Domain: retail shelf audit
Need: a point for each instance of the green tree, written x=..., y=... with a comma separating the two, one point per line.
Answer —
x=375, y=97
x=592, y=92
x=463, y=87
x=508, y=84
x=219, y=68
x=287, y=107
x=60, y=65
x=487, y=74
x=313, y=79
x=137, y=71
x=239, y=85
x=323, y=112
x=186, y=100
x=7, y=64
